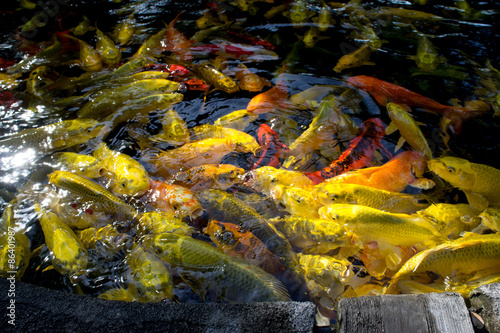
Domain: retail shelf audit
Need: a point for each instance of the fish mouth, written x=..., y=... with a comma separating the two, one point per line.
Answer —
x=248, y=178
x=195, y=213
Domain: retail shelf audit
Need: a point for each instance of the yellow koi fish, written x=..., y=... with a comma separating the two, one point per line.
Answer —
x=126, y=176
x=480, y=183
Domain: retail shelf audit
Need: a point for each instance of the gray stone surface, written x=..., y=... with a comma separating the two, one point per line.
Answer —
x=40, y=310
x=486, y=301
x=444, y=313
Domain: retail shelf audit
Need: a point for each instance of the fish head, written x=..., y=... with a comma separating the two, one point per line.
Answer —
x=454, y=170
x=362, y=81
x=133, y=182
x=334, y=193
x=227, y=175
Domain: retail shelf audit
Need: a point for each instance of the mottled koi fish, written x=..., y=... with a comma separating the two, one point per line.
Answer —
x=271, y=148
x=385, y=92
x=251, y=40
x=358, y=155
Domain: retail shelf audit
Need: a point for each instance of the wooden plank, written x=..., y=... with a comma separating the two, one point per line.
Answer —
x=425, y=313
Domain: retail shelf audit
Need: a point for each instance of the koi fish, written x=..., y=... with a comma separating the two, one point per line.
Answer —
x=235, y=51
x=221, y=177
x=359, y=153
x=357, y=58
x=251, y=40
x=177, y=42
x=479, y=182
x=239, y=243
x=271, y=148
x=173, y=198
x=274, y=98
x=404, y=169
x=385, y=92
x=90, y=60
x=247, y=80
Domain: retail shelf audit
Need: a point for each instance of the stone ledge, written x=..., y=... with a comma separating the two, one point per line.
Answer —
x=486, y=301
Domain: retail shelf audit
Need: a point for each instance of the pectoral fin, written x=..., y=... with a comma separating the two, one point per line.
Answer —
x=400, y=144
x=477, y=201
x=391, y=128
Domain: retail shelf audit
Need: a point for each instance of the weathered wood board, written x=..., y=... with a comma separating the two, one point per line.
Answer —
x=425, y=313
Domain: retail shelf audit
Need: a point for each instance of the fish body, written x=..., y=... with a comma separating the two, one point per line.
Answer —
x=225, y=207
x=404, y=15
x=313, y=235
x=370, y=224
x=480, y=182
x=247, y=80
x=37, y=82
x=299, y=201
x=159, y=222
x=107, y=239
x=68, y=254
x=408, y=128
x=174, y=198
x=357, y=58
x=385, y=92
x=177, y=42
x=490, y=217
x=152, y=47
x=221, y=177
x=271, y=148
x=107, y=49
x=106, y=103
x=358, y=154
x=451, y=219
x=271, y=181
x=402, y=170
x=126, y=176
x=151, y=279
x=124, y=31
x=83, y=165
x=238, y=119
x=427, y=57
x=237, y=243
x=392, y=202
x=274, y=98
x=91, y=193
x=471, y=254
x=215, y=78
x=206, y=151
x=43, y=58
x=90, y=60
x=174, y=127
x=244, y=142
x=15, y=252
x=60, y=135
x=237, y=282
x=329, y=122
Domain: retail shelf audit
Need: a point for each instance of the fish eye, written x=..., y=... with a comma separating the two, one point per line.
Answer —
x=334, y=197
x=330, y=239
x=334, y=217
x=451, y=169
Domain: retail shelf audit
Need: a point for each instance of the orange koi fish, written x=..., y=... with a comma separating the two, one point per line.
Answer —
x=404, y=169
x=385, y=92
x=173, y=198
x=247, y=80
x=271, y=148
x=274, y=98
x=237, y=243
x=177, y=42
x=250, y=40
x=358, y=155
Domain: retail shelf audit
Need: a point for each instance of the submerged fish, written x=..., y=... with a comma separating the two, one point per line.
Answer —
x=238, y=243
x=216, y=176
x=68, y=254
x=480, y=182
x=126, y=176
x=358, y=57
x=392, y=202
x=408, y=128
x=199, y=264
x=91, y=193
x=471, y=255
